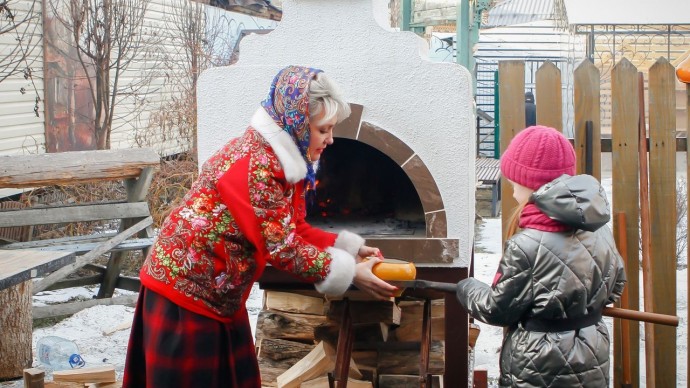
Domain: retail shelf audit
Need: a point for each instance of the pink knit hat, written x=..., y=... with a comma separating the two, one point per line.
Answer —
x=536, y=156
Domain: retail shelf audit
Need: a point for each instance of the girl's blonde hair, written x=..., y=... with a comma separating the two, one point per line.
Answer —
x=514, y=220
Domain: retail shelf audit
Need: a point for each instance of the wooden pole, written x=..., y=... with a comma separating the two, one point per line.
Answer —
x=641, y=316
x=645, y=233
x=621, y=244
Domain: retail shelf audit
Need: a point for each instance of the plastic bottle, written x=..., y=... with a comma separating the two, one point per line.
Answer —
x=58, y=353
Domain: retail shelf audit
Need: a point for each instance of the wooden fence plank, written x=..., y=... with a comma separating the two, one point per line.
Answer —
x=511, y=84
x=687, y=193
x=624, y=134
x=549, y=96
x=586, y=84
x=662, y=183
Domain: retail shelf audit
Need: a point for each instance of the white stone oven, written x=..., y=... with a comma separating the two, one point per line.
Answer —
x=401, y=171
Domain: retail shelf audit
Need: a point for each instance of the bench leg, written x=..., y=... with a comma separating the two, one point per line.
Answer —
x=424, y=375
x=16, y=328
x=344, y=348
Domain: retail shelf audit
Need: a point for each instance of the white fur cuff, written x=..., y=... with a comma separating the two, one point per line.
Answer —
x=341, y=274
x=349, y=242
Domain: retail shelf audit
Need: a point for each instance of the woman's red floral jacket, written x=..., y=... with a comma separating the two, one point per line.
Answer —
x=245, y=210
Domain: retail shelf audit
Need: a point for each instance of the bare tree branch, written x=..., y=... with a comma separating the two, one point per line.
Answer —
x=107, y=35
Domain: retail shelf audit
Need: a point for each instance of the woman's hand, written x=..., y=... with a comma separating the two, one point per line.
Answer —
x=366, y=281
x=365, y=251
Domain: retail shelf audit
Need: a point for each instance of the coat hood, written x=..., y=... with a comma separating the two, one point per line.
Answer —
x=577, y=201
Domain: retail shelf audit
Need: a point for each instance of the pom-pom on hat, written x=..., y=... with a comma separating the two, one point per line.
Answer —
x=536, y=156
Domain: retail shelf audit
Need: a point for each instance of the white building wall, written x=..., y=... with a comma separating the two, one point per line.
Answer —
x=427, y=105
x=21, y=130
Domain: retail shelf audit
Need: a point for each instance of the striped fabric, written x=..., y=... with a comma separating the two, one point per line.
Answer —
x=173, y=347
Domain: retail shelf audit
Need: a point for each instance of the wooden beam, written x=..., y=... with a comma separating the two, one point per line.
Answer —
x=91, y=256
x=62, y=309
x=70, y=168
x=76, y=213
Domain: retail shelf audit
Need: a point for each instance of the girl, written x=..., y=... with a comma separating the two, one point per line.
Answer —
x=559, y=269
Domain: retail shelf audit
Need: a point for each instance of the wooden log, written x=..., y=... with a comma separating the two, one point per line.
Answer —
x=70, y=168
x=282, y=325
x=549, y=96
x=406, y=381
x=318, y=362
x=15, y=346
x=586, y=91
x=410, y=328
x=33, y=378
x=278, y=349
x=63, y=384
x=322, y=382
x=365, y=358
x=511, y=96
x=117, y=384
x=367, y=312
x=406, y=362
x=294, y=303
x=662, y=205
x=625, y=195
x=96, y=374
x=364, y=333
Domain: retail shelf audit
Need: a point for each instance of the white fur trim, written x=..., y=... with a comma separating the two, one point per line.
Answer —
x=286, y=150
x=341, y=274
x=349, y=242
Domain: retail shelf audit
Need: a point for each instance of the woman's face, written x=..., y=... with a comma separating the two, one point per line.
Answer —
x=321, y=135
x=521, y=193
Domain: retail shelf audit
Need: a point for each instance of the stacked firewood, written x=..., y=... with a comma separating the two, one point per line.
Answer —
x=90, y=377
x=297, y=334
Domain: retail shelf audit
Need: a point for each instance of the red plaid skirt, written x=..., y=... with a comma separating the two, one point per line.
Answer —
x=173, y=347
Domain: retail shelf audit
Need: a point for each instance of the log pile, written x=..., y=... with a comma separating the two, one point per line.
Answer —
x=297, y=334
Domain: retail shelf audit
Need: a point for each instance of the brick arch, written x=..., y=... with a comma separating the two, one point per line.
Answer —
x=408, y=160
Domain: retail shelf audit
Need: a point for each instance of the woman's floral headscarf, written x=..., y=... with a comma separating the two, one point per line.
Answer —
x=288, y=104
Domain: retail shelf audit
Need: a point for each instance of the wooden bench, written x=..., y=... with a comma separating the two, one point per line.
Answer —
x=135, y=167
x=489, y=175
x=21, y=261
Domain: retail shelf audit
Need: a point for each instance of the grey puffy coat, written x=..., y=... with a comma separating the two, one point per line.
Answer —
x=554, y=275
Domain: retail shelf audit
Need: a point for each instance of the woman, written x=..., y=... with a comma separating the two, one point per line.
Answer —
x=557, y=272
x=245, y=210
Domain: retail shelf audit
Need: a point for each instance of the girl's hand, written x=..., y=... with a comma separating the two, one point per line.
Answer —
x=366, y=281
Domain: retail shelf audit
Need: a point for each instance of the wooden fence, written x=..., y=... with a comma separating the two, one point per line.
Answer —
x=632, y=179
